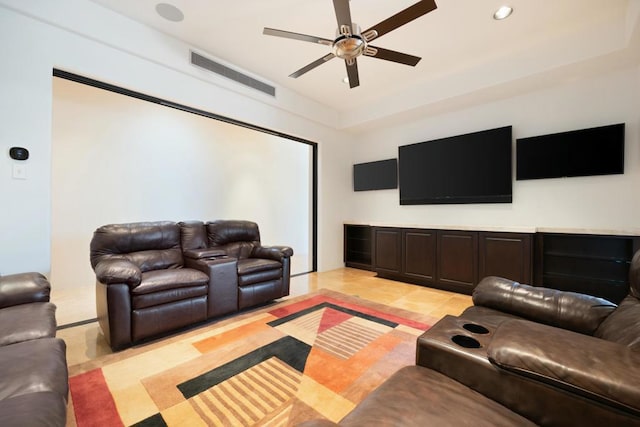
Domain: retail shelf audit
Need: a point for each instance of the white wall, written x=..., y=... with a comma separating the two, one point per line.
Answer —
x=119, y=159
x=39, y=42
x=602, y=202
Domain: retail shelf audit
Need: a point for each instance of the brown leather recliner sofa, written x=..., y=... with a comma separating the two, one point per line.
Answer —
x=33, y=366
x=521, y=355
x=156, y=277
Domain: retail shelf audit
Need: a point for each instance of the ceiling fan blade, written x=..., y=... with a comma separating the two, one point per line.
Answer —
x=343, y=15
x=296, y=36
x=392, y=55
x=403, y=17
x=311, y=66
x=352, y=73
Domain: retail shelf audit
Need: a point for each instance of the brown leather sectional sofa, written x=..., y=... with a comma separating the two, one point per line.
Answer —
x=520, y=356
x=156, y=277
x=33, y=365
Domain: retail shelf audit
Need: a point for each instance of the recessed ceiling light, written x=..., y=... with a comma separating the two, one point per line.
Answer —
x=503, y=13
x=345, y=80
x=169, y=12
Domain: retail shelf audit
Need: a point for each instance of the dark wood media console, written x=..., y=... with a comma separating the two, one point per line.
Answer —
x=456, y=260
x=450, y=259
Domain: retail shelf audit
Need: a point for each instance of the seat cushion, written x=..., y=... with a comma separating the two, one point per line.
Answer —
x=161, y=280
x=41, y=409
x=258, y=270
x=603, y=371
x=417, y=396
x=256, y=265
x=33, y=366
x=27, y=322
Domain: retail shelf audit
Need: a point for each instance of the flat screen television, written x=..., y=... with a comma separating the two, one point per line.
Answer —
x=594, y=151
x=379, y=175
x=470, y=168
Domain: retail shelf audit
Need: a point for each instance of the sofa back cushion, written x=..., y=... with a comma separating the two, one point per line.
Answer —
x=237, y=238
x=568, y=310
x=193, y=235
x=634, y=275
x=149, y=245
x=623, y=325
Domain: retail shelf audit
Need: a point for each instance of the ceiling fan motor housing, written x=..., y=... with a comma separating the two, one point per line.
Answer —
x=349, y=43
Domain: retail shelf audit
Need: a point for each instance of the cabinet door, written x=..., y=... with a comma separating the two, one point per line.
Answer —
x=419, y=255
x=387, y=250
x=457, y=265
x=507, y=255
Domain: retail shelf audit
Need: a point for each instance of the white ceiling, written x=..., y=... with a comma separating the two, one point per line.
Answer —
x=462, y=48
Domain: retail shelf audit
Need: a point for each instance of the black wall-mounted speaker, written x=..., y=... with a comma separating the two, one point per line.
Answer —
x=19, y=153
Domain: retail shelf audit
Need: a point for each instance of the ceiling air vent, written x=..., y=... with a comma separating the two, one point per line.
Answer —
x=229, y=73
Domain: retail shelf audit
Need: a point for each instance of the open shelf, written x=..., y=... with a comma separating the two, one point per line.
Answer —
x=357, y=246
x=591, y=264
x=588, y=257
x=551, y=276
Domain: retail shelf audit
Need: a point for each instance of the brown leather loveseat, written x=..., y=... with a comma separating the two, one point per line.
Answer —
x=156, y=277
x=521, y=356
x=33, y=366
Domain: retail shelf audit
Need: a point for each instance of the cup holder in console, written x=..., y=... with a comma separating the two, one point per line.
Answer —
x=475, y=329
x=465, y=341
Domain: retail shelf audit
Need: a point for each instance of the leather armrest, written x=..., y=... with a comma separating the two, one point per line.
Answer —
x=23, y=288
x=568, y=310
x=111, y=271
x=203, y=253
x=598, y=369
x=276, y=253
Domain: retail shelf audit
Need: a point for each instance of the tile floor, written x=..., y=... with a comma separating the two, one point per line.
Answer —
x=85, y=342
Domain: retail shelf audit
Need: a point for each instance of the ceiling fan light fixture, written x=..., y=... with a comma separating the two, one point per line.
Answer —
x=349, y=48
x=502, y=13
x=349, y=45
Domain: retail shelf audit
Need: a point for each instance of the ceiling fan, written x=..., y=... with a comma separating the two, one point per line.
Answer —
x=350, y=42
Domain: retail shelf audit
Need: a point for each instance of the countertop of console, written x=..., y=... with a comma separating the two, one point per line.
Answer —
x=507, y=229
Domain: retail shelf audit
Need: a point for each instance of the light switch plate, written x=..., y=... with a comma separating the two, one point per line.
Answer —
x=19, y=172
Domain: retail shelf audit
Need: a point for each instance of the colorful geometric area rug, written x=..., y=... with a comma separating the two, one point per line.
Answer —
x=310, y=357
